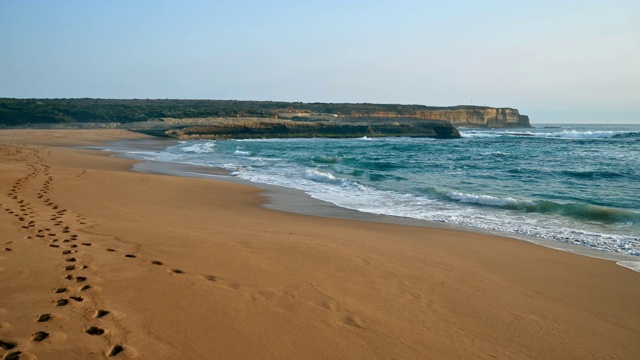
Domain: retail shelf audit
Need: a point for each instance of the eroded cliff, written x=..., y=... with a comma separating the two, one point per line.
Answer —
x=461, y=116
x=339, y=128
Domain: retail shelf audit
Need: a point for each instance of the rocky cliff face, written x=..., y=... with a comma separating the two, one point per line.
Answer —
x=340, y=128
x=481, y=117
x=463, y=116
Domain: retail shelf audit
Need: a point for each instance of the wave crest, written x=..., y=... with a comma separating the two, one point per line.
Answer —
x=483, y=199
x=575, y=134
x=200, y=148
x=565, y=134
x=578, y=211
x=322, y=177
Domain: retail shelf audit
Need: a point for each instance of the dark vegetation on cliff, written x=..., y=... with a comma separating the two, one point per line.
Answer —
x=251, y=119
x=15, y=112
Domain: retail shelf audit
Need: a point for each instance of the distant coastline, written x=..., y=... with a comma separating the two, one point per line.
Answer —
x=229, y=118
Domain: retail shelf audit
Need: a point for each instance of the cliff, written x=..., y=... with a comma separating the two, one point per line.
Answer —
x=23, y=112
x=339, y=128
x=463, y=116
x=480, y=117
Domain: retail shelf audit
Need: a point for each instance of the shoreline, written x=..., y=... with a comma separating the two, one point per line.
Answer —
x=97, y=260
x=298, y=202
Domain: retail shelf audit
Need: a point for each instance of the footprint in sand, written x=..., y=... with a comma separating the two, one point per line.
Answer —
x=7, y=345
x=44, y=317
x=176, y=271
x=94, y=330
x=13, y=355
x=40, y=335
x=102, y=313
x=156, y=262
x=117, y=349
x=130, y=256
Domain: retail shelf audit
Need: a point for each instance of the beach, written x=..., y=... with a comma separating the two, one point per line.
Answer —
x=97, y=260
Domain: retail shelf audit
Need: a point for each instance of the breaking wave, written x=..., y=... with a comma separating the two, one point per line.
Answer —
x=577, y=211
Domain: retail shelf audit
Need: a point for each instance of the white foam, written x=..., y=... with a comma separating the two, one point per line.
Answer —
x=480, y=134
x=484, y=199
x=574, y=134
x=564, y=134
x=521, y=133
x=280, y=140
x=319, y=176
x=200, y=148
x=240, y=152
x=633, y=265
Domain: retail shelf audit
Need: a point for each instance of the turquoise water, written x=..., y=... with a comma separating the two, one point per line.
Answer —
x=575, y=183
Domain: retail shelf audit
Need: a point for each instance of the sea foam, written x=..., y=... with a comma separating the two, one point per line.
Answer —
x=486, y=199
x=633, y=265
x=200, y=148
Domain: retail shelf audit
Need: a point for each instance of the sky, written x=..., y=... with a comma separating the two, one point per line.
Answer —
x=556, y=61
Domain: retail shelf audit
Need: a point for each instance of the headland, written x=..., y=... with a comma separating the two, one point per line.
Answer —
x=251, y=119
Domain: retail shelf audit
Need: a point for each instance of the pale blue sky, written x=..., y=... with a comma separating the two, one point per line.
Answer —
x=557, y=61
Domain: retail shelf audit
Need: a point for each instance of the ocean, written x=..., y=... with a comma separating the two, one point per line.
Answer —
x=577, y=184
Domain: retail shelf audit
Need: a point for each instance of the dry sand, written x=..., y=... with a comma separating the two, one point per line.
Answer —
x=189, y=268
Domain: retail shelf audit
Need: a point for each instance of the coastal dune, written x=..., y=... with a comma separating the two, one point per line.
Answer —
x=97, y=260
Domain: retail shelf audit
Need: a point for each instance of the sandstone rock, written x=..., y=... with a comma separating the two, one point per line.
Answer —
x=463, y=116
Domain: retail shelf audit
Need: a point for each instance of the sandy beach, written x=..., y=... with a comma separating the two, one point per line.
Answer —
x=100, y=261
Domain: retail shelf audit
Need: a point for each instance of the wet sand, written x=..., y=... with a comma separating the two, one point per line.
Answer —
x=97, y=260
